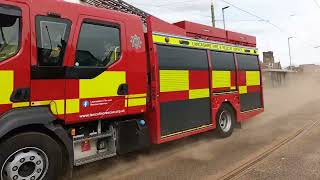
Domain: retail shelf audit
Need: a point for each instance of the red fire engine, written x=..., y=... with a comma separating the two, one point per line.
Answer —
x=80, y=83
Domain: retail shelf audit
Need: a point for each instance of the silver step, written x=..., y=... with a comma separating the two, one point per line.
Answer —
x=93, y=158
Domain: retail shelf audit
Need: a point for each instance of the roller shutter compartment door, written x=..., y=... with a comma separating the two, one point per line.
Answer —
x=184, y=89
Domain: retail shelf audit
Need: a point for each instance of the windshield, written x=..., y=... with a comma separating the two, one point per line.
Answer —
x=9, y=36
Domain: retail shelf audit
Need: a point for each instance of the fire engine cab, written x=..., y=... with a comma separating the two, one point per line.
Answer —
x=82, y=82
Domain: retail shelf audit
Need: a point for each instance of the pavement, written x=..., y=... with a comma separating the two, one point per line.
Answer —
x=205, y=156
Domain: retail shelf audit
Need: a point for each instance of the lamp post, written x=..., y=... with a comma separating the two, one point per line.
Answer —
x=213, y=14
x=224, y=20
x=289, y=46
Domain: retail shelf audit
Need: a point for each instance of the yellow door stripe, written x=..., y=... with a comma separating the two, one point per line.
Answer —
x=73, y=106
x=105, y=85
x=199, y=93
x=174, y=80
x=243, y=89
x=137, y=102
x=221, y=79
x=253, y=78
x=57, y=107
x=6, y=86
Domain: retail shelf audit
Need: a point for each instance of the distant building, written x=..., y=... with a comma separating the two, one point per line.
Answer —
x=269, y=62
x=268, y=57
x=309, y=68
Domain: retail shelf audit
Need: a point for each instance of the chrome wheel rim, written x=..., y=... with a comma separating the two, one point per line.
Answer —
x=25, y=164
x=225, y=121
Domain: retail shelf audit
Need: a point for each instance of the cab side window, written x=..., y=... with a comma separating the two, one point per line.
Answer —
x=52, y=38
x=10, y=20
x=98, y=45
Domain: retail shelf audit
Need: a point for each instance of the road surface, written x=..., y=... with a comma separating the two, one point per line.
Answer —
x=205, y=156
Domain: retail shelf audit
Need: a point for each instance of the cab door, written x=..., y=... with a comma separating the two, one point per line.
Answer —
x=96, y=85
x=47, y=69
x=14, y=55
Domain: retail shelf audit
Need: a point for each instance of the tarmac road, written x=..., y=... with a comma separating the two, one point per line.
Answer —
x=207, y=157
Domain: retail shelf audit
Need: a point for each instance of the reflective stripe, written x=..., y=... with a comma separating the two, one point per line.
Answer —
x=243, y=89
x=73, y=106
x=233, y=88
x=6, y=84
x=137, y=102
x=136, y=95
x=253, y=78
x=199, y=93
x=221, y=79
x=174, y=80
x=204, y=45
x=56, y=106
x=20, y=104
x=105, y=85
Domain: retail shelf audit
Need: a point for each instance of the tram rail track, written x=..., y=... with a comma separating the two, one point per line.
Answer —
x=244, y=168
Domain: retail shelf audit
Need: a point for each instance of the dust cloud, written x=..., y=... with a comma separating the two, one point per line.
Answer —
x=299, y=89
x=203, y=156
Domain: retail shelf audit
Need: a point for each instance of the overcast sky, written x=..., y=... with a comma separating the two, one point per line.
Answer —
x=298, y=18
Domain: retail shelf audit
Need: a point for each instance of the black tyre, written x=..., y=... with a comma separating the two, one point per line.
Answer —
x=32, y=156
x=225, y=121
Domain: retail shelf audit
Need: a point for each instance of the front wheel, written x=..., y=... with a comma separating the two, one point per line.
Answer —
x=31, y=156
x=225, y=121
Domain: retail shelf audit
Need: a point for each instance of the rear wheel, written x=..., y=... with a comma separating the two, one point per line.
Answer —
x=30, y=156
x=225, y=121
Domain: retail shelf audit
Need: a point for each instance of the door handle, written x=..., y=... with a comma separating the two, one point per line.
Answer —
x=123, y=89
x=20, y=95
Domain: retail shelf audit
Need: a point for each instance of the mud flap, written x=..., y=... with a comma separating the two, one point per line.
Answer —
x=131, y=135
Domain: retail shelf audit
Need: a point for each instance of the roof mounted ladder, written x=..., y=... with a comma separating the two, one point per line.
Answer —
x=118, y=5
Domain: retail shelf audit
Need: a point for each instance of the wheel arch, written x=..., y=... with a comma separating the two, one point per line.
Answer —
x=228, y=103
x=38, y=119
x=235, y=112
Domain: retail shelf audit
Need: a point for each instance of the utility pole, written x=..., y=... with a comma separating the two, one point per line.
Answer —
x=224, y=19
x=289, y=46
x=213, y=14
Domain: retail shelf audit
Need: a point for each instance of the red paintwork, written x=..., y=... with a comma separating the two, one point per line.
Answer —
x=4, y=108
x=242, y=39
x=242, y=78
x=233, y=78
x=97, y=112
x=202, y=31
x=158, y=25
x=254, y=88
x=51, y=88
x=215, y=34
x=135, y=62
x=195, y=78
x=174, y=96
